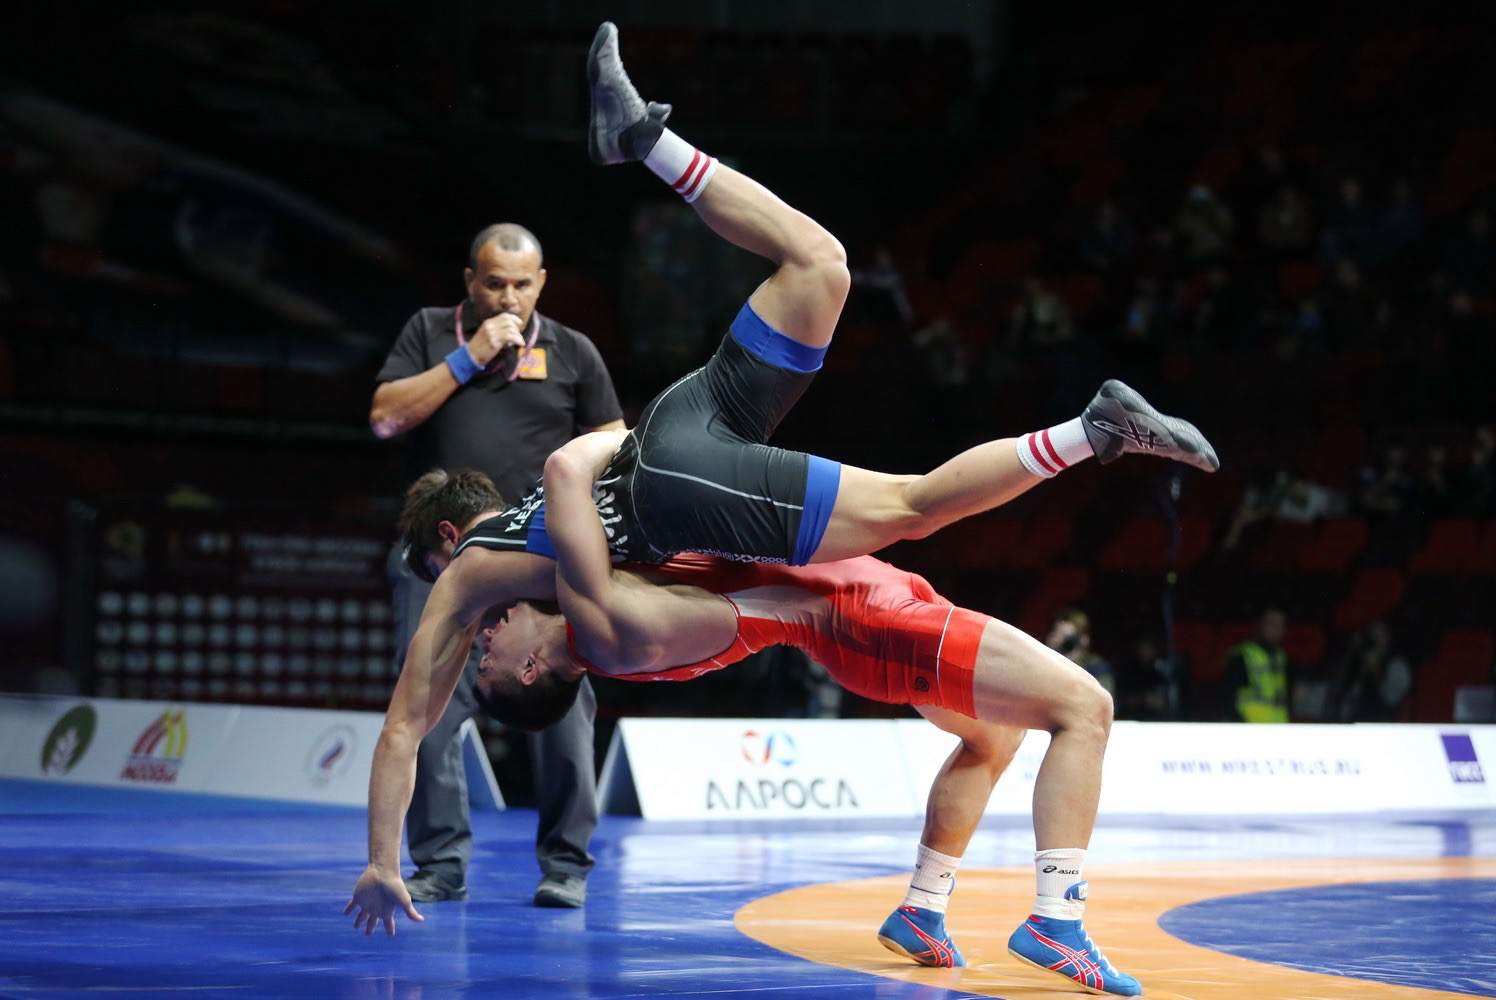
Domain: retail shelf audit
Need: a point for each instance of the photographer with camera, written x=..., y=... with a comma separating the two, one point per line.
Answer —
x=1070, y=636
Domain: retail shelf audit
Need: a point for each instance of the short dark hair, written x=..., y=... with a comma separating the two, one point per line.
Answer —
x=509, y=236
x=440, y=496
x=528, y=707
x=1077, y=618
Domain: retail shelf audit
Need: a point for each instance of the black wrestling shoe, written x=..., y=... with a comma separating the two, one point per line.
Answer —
x=622, y=127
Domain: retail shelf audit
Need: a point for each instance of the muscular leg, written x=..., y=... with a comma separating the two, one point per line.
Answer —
x=1021, y=682
x=876, y=509
x=958, y=798
x=958, y=795
x=803, y=298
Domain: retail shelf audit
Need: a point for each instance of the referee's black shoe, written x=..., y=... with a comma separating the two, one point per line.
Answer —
x=428, y=886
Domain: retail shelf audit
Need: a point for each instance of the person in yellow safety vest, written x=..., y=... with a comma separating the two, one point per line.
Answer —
x=1257, y=674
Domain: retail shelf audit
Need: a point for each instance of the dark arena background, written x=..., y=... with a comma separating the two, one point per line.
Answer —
x=1273, y=219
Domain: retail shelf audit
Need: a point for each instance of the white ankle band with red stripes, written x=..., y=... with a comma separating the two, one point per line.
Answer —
x=1049, y=452
x=681, y=165
x=1037, y=453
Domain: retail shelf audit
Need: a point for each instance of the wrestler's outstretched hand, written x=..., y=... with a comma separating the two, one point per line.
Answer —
x=376, y=897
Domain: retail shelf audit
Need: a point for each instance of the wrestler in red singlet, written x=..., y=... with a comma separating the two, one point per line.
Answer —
x=881, y=632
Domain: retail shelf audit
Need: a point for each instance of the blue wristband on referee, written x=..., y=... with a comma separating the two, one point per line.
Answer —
x=462, y=364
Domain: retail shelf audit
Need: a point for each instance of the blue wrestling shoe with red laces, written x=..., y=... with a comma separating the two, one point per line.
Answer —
x=1064, y=948
x=919, y=934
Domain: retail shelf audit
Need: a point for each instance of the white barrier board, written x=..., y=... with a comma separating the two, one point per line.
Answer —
x=739, y=768
x=757, y=768
x=287, y=754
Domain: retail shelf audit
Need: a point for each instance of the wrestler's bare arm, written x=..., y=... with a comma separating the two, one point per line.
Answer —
x=622, y=623
x=434, y=663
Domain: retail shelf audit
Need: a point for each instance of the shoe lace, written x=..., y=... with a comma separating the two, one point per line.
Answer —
x=1096, y=953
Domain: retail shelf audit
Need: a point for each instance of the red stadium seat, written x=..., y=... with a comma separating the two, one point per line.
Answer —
x=1280, y=547
x=1483, y=560
x=1043, y=539
x=1374, y=592
x=1470, y=651
x=1195, y=641
x=1448, y=548
x=1304, y=642
x=1464, y=658
x=1336, y=542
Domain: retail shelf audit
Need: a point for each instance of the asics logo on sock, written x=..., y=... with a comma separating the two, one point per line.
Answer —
x=1134, y=432
x=1051, y=869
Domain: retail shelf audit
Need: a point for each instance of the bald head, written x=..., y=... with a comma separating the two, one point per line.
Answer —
x=506, y=236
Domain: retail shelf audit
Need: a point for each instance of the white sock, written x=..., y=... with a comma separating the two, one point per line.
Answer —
x=1049, y=452
x=681, y=165
x=1060, y=874
x=934, y=880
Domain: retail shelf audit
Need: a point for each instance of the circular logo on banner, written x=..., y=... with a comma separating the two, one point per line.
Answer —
x=68, y=741
x=330, y=755
x=761, y=748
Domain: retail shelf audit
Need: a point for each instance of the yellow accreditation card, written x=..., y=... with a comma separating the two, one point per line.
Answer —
x=532, y=365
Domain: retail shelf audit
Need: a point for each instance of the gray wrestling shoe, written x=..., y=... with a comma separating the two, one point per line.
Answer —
x=622, y=127
x=1119, y=422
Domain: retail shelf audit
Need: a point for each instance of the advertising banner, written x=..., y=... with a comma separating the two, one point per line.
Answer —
x=756, y=768
x=737, y=768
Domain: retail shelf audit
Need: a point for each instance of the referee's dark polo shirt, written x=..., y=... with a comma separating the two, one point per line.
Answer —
x=504, y=428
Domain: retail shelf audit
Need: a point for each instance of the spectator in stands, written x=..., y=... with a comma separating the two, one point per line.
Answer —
x=493, y=385
x=1039, y=319
x=1222, y=319
x=1470, y=260
x=1304, y=501
x=1358, y=316
x=1258, y=503
x=1143, y=318
x=1308, y=325
x=1139, y=340
x=1474, y=484
x=1350, y=227
x=1070, y=636
x=1469, y=336
x=1107, y=242
x=945, y=365
x=1263, y=177
x=1282, y=496
x=1145, y=682
x=1204, y=225
x=1433, y=483
x=1400, y=224
x=1256, y=671
x=1385, y=487
x=1285, y=224
x=1371, y=681
x=885, y=276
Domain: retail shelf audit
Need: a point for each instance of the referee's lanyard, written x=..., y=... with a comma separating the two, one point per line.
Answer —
x=518, y=355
